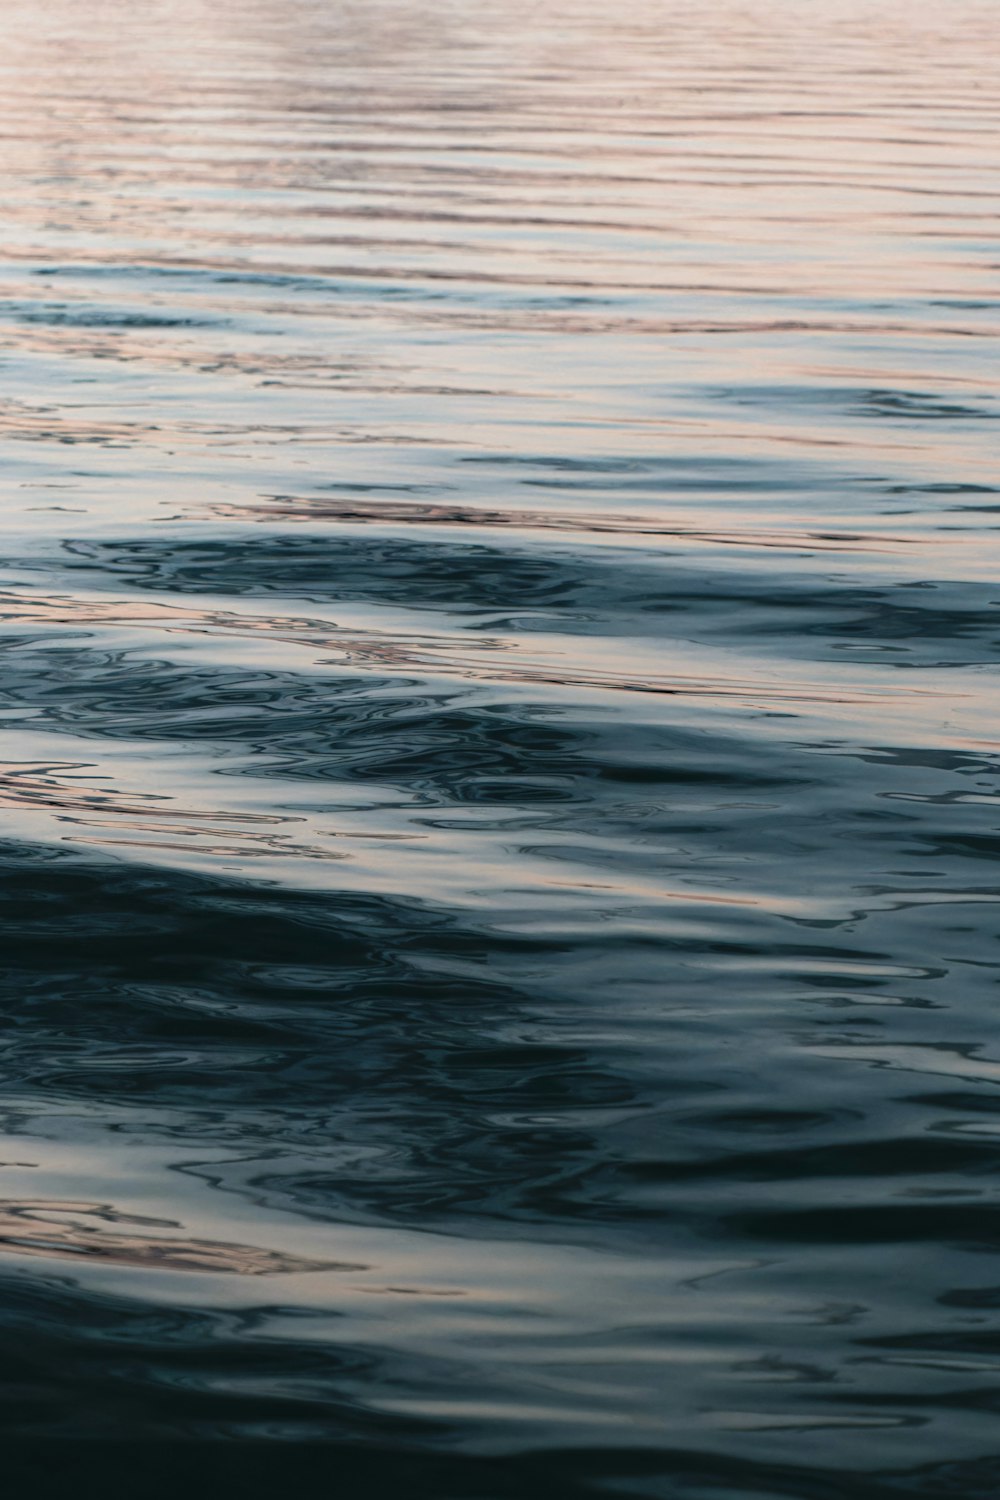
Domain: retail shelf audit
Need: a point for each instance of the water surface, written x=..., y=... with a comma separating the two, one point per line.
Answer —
x=498, y=638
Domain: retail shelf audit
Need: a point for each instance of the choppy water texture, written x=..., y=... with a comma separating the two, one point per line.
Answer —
x=498, y=637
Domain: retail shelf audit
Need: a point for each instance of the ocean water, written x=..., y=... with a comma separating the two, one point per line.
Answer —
x=499, y=614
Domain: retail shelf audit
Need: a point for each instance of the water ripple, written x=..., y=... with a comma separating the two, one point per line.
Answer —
x=498, y=664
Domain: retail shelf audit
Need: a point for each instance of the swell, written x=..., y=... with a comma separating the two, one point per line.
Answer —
x=498, y=624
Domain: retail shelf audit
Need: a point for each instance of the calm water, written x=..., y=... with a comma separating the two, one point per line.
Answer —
x=498, y=663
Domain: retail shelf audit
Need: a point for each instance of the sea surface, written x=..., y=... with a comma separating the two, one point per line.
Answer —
x=499, y=625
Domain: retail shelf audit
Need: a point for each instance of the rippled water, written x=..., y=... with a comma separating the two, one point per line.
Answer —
x=499, y=604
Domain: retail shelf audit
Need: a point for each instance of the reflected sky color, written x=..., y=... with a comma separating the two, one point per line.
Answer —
x=498, y=686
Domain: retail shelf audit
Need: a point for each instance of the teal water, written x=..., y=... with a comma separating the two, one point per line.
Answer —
x=498, y=681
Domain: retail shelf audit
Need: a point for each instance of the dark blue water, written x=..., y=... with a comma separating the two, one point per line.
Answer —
x=499, y=617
